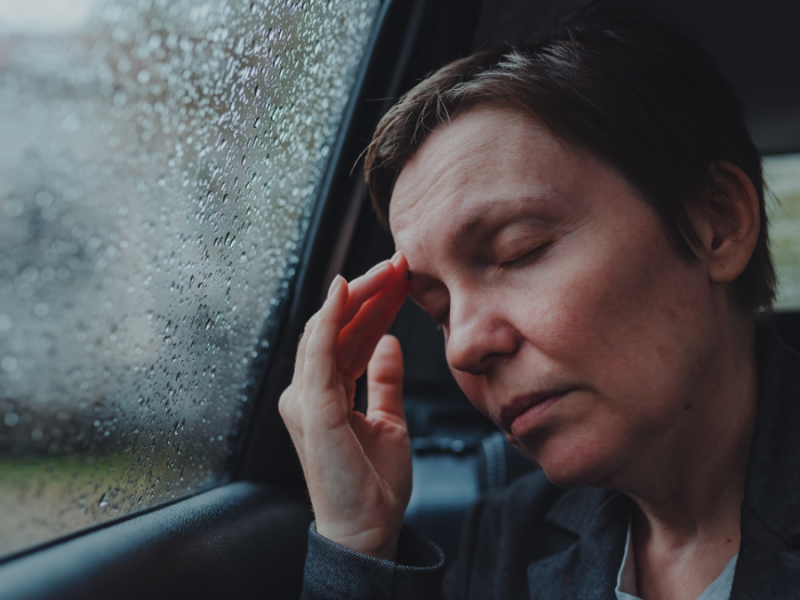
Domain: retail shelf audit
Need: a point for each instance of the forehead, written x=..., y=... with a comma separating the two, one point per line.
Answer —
x=487, y=157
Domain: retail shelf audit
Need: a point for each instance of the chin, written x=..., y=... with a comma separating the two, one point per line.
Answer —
x=571, y=464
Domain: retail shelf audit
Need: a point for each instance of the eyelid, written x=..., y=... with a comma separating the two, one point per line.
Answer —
x=528, y=256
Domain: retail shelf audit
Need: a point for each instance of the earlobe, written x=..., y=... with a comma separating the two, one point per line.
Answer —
x=731, y=222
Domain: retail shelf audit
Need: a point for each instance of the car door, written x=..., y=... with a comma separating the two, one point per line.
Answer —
x=177, y=194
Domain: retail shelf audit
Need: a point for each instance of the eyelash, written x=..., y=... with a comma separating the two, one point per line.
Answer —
x=526, y=258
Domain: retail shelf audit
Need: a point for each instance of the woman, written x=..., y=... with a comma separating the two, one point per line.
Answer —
x=584, y=217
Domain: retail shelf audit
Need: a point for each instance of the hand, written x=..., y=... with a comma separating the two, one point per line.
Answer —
x=357, y=467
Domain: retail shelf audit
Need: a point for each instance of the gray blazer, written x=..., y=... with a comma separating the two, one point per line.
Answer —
x=533, y=540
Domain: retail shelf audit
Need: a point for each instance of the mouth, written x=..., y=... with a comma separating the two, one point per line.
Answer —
x=525, y=412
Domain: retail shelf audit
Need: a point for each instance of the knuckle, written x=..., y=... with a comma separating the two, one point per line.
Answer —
x=285, y=403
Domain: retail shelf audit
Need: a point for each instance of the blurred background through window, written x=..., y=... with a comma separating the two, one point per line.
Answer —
x=159, y=164
x=782, y=176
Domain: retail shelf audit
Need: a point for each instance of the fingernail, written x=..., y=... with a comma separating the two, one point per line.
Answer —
x=396, y=256
x=334, y=285
x=378, y=267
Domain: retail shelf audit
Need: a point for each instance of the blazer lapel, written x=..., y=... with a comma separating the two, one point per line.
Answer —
x=587, y=570
x=767, y=567
x=769, y=562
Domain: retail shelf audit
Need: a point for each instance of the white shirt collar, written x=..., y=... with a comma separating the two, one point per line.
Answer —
x=627, y=588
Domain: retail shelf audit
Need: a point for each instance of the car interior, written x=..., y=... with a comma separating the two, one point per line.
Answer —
x=242, y=531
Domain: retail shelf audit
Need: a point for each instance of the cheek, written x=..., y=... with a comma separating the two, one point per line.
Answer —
x=636, y=331
x=632, y=298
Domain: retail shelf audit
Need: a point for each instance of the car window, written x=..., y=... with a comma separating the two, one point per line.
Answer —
x=782, y=176
x=160, y=164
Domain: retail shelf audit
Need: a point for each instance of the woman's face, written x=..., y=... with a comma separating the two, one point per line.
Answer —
x=569, y=318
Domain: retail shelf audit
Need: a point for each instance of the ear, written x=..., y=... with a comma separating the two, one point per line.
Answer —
x=729, y=225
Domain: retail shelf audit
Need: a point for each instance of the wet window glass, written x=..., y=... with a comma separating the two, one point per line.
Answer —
x=159, y=163
x=782, y=176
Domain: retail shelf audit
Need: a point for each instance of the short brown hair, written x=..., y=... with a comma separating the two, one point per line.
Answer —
x=623, y=85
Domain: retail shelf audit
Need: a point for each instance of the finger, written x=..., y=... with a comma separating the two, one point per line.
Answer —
x=300, y=357
x=373, y=335
x=385, y=380
x=365, y=287
x=359, y=290
x=400, y=263
x=319, y=368
x=374, y=310
x=378, y=277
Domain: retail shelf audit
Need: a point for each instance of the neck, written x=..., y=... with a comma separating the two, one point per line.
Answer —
x=689, y=484
x=689, y=489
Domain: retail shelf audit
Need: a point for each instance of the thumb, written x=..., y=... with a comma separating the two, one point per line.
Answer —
x=385, y=380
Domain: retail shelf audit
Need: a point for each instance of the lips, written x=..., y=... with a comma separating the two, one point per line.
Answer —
x=524, y=412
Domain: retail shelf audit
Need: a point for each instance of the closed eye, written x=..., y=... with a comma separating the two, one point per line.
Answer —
x=526, y=258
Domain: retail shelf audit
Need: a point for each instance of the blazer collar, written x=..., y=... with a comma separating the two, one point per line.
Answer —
x=587, y=570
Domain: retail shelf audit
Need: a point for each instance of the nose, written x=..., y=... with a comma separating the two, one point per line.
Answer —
x=479, y=333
